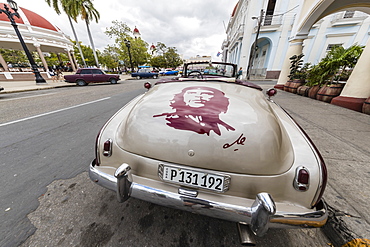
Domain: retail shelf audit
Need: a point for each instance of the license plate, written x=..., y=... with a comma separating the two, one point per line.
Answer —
x=192, y=178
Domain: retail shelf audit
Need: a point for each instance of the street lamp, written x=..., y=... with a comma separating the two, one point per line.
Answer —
x=13, y=5
x=254, y=48
x=128, y=45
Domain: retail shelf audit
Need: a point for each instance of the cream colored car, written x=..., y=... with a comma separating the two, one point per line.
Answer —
x=217, y=146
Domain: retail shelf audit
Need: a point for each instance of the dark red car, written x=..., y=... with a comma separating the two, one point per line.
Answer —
x=89, y=75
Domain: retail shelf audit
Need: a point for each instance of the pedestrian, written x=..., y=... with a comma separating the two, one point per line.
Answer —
x=53, y=75
x=240, y=73
x=59, y=75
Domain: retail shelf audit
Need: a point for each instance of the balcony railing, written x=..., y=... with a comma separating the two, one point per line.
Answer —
x=272, y=20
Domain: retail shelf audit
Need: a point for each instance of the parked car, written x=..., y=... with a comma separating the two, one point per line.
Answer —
x=216, y=146
x=169, y=72
x=88, y=75
x=144, y=73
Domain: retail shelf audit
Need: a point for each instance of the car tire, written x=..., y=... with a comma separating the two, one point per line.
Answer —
x=81, y=83
x=155, y=77
x=138, y=77
x=176, y=73
x=113, y=81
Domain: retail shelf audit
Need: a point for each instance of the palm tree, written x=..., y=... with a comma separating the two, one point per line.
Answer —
x=71, y=8
x=89, y=13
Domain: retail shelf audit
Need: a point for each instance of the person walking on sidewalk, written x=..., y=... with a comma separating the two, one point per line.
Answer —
x=240, y=73
x=59, y=75
x=53, y=75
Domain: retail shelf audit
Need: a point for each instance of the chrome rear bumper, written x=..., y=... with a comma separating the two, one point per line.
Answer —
x=261, y=215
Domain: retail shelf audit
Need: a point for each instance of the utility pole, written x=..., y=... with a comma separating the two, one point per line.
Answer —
x=253, y=50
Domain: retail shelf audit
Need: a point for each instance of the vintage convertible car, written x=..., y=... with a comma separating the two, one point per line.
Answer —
x=213, y=145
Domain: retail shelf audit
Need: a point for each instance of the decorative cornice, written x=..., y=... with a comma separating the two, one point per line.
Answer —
x=333, y=35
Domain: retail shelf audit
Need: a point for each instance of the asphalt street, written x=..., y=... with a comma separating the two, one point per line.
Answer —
x=54, y=139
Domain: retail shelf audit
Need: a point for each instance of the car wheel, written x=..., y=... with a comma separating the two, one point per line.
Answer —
x=175, y=73
x=138, y=77
x=81, y=83
x=113, y=81
x=155, y=77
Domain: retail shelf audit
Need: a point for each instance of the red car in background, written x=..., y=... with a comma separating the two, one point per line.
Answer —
x=89, y=75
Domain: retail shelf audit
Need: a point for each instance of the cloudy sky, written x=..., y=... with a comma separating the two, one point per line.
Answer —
x=194, y=27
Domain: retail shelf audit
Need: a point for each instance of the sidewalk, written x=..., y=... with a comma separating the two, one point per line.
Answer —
x=21, y=86
x=341, y=135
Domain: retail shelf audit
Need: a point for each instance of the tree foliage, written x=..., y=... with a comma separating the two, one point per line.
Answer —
x=54, y=59
x=110, y=57
x=14, y=56
x=334, y=65
x=138, y=47
x=88, y=54
x=74, y=9
x=167, y=57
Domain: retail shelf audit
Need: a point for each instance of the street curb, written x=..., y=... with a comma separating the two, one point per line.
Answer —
x=49, y=86
x=35, y=89
x=339, y=233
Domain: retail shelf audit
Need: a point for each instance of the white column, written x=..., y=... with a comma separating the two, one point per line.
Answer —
x=358, y=85
x=71, y=60
x=357, y=88
x=3, y=63
x=295, y=48
x=37, y=45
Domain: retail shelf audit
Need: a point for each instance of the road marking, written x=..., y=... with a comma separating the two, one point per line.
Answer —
x=28, y=97
x=48, y=113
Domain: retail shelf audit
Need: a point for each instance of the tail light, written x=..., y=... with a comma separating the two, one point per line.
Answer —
x=107, y=148
x=302, y=179
x=323, y=171
x=271, y=92
x=147, y=85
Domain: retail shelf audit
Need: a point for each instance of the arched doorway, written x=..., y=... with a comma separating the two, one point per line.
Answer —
x=261, y=55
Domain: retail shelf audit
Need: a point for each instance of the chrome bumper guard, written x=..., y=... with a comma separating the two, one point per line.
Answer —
x=261, y=216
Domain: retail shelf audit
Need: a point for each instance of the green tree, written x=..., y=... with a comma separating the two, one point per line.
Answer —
x=73, y=9
x=110, y=57
x=334, y=65
x=173, y=59
x=89, y=13
x=158, y=62
x=88, y=58
x=14, y=56
x=54, y=59
x=167, y=57
x=138, y=47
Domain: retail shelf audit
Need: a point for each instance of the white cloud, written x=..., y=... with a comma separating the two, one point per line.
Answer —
x=193, y=27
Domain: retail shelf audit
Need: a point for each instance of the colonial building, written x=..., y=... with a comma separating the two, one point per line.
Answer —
x=39, y=35
x=263, y=34
x=275, y=24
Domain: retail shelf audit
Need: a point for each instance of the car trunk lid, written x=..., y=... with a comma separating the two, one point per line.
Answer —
x=213, y=125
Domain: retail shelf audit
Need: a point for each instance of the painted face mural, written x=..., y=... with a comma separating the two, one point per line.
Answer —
x=197, y=109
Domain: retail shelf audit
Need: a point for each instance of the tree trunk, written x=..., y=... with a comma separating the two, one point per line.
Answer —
x=77, y=42
x=92, y=43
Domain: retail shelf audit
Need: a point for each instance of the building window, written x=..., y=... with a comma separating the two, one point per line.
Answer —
x=331, y=46
x=349, y=14
x=269, y=12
